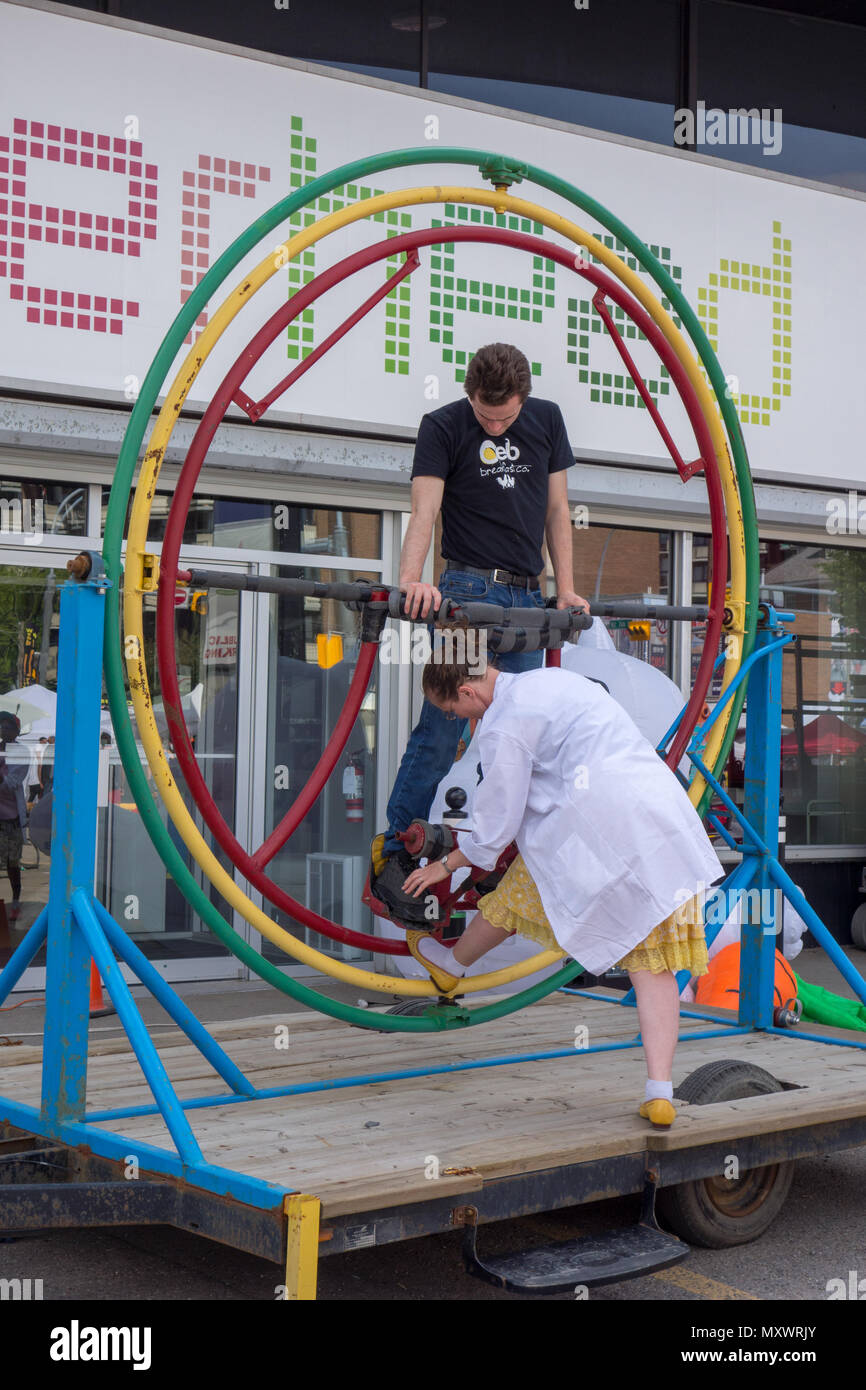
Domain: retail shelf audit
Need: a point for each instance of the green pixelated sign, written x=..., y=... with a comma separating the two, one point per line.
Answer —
x=774, y=283
x=614, y=388
x=527, y=303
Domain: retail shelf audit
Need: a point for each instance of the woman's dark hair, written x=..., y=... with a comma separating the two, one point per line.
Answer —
x=498, y=372
x=442, y=679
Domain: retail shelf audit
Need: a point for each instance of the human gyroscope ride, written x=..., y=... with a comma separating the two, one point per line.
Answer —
x=728, y=493
x=102, y=636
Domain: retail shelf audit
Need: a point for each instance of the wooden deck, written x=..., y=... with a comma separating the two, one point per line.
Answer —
x=368, y=1147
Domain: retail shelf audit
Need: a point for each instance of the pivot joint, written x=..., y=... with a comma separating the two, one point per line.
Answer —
x=502, y=172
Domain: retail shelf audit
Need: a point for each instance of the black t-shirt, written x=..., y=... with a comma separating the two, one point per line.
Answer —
x=496, y=488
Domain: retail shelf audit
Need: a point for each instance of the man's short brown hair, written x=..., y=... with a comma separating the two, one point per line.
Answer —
x=498, y=372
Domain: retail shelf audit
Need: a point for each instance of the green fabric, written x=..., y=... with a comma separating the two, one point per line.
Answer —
x=822, y=1006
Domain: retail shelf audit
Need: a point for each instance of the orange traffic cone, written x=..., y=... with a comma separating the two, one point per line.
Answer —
x=98, y=1006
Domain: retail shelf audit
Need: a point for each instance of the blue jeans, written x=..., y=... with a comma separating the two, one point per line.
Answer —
x=433, y=742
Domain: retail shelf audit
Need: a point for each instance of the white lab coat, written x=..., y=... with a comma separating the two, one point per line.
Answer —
x=606, y=830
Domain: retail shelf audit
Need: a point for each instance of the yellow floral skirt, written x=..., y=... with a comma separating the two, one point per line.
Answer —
x=677, y=943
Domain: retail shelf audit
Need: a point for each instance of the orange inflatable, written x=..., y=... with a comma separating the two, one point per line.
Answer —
x=720, y=987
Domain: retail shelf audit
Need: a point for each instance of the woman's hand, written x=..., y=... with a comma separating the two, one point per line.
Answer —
x=420, y=879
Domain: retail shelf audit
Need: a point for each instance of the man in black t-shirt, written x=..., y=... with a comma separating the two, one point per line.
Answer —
x=495, y=465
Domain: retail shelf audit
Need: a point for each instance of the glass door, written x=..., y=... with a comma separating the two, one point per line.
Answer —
x=307, y=650
x=29, y=622
x=215, y=672
x=131, y=878
x=324, y=863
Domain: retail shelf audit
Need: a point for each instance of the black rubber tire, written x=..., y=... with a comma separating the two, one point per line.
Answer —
x=719, y=1212
x=413, y=1007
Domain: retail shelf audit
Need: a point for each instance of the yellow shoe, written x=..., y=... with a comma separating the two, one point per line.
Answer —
x=442, y=979
x=660, y=1112
x=378, y=857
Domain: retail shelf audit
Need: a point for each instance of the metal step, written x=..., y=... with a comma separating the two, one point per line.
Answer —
x=623, y=1253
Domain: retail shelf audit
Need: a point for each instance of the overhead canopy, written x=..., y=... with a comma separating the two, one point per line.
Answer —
x=824, y=737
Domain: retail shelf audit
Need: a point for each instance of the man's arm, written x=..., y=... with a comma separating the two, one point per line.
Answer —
x=557, y=529
x=426, y=501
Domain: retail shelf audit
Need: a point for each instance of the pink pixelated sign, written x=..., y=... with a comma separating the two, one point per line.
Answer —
x=23, y=222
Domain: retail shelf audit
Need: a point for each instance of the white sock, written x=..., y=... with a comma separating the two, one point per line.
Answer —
x=659, y=1090
x=440, y=955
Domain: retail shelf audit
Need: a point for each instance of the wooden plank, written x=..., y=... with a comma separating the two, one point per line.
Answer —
x=437, y=1135
x=612, y=1068
x=611, y=1064
x=345, y=1200
x=786, y=1110
x=494, y=1122
x=192, y=1075
x=331, y=1061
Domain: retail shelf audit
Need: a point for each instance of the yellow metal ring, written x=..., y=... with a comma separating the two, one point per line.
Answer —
x=137, y=540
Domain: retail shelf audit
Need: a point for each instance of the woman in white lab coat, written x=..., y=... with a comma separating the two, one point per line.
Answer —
x=613, y=857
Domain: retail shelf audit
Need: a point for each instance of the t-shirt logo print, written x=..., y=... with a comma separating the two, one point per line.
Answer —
x=498, y=453
x=506, y=480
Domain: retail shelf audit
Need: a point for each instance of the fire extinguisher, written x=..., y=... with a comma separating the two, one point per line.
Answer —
x=353, y=789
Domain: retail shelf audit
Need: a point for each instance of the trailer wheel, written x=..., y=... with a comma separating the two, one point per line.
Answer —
x=719, y=1212
x=858, y=927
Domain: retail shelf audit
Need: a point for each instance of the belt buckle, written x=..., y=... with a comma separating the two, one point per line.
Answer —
x=504, y=580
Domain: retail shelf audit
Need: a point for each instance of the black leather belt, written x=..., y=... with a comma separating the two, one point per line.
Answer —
x=520, y=581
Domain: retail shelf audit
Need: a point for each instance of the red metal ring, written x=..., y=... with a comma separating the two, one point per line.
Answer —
x=182, y=499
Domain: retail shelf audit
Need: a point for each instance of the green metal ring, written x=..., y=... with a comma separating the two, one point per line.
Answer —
x=122, y=486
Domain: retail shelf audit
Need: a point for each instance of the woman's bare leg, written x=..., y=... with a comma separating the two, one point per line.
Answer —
x=479, y=937
x=658, y=1010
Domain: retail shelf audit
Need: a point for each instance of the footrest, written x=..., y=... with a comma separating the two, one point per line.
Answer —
x=616, y=1255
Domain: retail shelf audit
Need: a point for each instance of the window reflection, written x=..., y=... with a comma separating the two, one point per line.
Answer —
x=324, y=862
x=29, y=604
x=31, y=510
x=823, y=688
x=823, y=155
x=620, y=115
x=234, y=523
x=807, y=68
x=823, y=695
x=618, y=562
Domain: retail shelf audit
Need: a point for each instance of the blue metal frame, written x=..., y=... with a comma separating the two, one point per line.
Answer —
x=77, y=928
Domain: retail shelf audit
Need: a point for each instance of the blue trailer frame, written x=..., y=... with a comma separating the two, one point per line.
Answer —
x=181, y=1186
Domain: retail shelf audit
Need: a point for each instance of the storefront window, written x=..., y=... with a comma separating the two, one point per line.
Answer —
x=29, y=615
x=324, y=863
x=287, y=725
x=30, y=511
x=233, y=523
x=702, y=591
x=618, y=562
x=132, y=880
x=823, y=688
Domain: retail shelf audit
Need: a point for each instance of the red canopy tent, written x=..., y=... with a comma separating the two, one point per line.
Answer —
x=826, y=736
